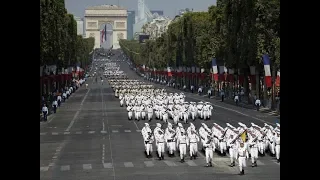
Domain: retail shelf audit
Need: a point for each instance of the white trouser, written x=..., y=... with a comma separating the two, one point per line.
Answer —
x=160, y=148
x=87, y=86
x=223, y=147
x=165, y=117
x=183, y=150
x=175, y=119
x=210, y=113
x=209, y=155
x=242, y=162
x=205, y=114
x=261, y=147
x=121, y=102
x=233, y=154
x=130, y=114
x=278, y=151
x=171, y=147
x=254, y=154
x=157, y=114
x=193, y=148
x=271, y=147
x=185, y=117
x=137, y=113
x=143, y=114
x=180, y=115
x=193, y=115
x=150, y=114
x=149, y=148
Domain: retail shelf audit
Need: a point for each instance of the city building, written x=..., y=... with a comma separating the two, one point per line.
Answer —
x=160, y=13
x=79, y=25
x=131, y=19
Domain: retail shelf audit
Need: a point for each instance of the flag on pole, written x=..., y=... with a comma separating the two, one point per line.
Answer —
x=215, y=69
x=243, y=136
x=105, y=32
x=278, y=79
x=267, y=71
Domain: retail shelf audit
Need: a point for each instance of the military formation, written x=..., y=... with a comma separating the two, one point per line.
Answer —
x=145, y=102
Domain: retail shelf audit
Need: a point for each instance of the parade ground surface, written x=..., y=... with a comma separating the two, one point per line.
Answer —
x=91, y=138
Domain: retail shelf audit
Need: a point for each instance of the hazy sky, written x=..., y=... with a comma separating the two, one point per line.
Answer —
x=170, y=7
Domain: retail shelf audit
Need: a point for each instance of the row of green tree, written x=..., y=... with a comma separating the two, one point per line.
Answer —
x=59, y=43
x=235, y=32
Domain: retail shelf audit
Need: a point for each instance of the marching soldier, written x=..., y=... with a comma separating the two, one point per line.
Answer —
x=233, y=149
x=170, y=135
x=149, y=142
x=242, y=151
x=278, y=147
x=160, y=141
x=59, y=100
x=54, y=105
x=183, y=143
x=45, y=112
x=209, y=148
x=194, y=139
x=130, y=111
x=254, y=151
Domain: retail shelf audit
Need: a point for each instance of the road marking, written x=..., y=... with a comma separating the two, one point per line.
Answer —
x=127, y=131
x=102, y=124
x=103, y=132
x=259, y=163
x=115, y=131
x=107, y=165
x=191, y=163
x=79, y=132
x=136, y=125
x=91, y=132
x=42, y=134
x=87, y=166
x=103, y=152
x=66, y=133
x=54, y=133
x=128, y=164
x=170, y=163
x=117, y=125
x=65, y=168
x=275, y=161
x=46, y=168
x=149, y=163
x=77, y=113
x=138, y=130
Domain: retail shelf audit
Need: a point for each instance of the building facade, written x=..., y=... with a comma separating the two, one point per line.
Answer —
x=79, y=25
x=115, y=17
x=131, y=20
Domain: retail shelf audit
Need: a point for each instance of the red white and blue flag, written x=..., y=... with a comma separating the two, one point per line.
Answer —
x=267, y=71
x=215, y=70
x=104, y=34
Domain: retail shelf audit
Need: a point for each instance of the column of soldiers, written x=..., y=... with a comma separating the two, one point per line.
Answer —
x=143, y=102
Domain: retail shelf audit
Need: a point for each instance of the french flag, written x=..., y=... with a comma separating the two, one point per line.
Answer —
x=215, y=70
x=267, y=71
x=104, y=34
x=278, y=79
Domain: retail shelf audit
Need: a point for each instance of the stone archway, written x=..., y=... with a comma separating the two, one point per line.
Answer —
x=116, y=20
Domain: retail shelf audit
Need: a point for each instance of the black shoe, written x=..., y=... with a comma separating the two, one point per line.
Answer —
x=242, y=171
x=162, y=157
x=194, y=157
x=159, y=158
x=278, y=161
x=190, y=157
x=181, y=161
x=210, y=164
x=231, y=165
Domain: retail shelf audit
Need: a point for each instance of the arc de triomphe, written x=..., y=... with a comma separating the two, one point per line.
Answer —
x=115, y=17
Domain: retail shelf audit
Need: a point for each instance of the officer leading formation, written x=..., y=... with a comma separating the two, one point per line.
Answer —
x=145, y=102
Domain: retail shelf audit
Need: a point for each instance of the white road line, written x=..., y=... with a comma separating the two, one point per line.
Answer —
x=128, y=164
x=66, y=133
x=170, y=163
x=191, y=163
x=103, y=132
x=46, y=168
x=54, y=133
x=149, y=163
x=103, y=152
x=115, y=131
x=79, y=132
x=136, y=125
x=42, y=134
x=117, y=125
x=138, y=130
x=77, y=113
x=127, y=131
x=107, y=165
x=65, y=168
x=102, y=124
x=86, y=166
x=91, y=132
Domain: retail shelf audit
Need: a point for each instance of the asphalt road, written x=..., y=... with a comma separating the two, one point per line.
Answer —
x=90, y=138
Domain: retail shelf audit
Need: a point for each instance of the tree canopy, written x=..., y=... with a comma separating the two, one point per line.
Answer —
x=59, y=43
x=236, y=33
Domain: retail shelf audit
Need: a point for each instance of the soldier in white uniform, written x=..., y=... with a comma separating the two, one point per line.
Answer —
x=54, y=105
x=121, y=100
x=170, y=136
x=59, y=100
x=193, y=141
x=209, y=148
x=149, y=142
x=130, y=109
x=278, y=147
x=242, y=151
x=233, y=150
x=150, y=112
x=253, y=151
x=143, y=111
x=183, y=143
x=155, y=133
x=160, y=141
